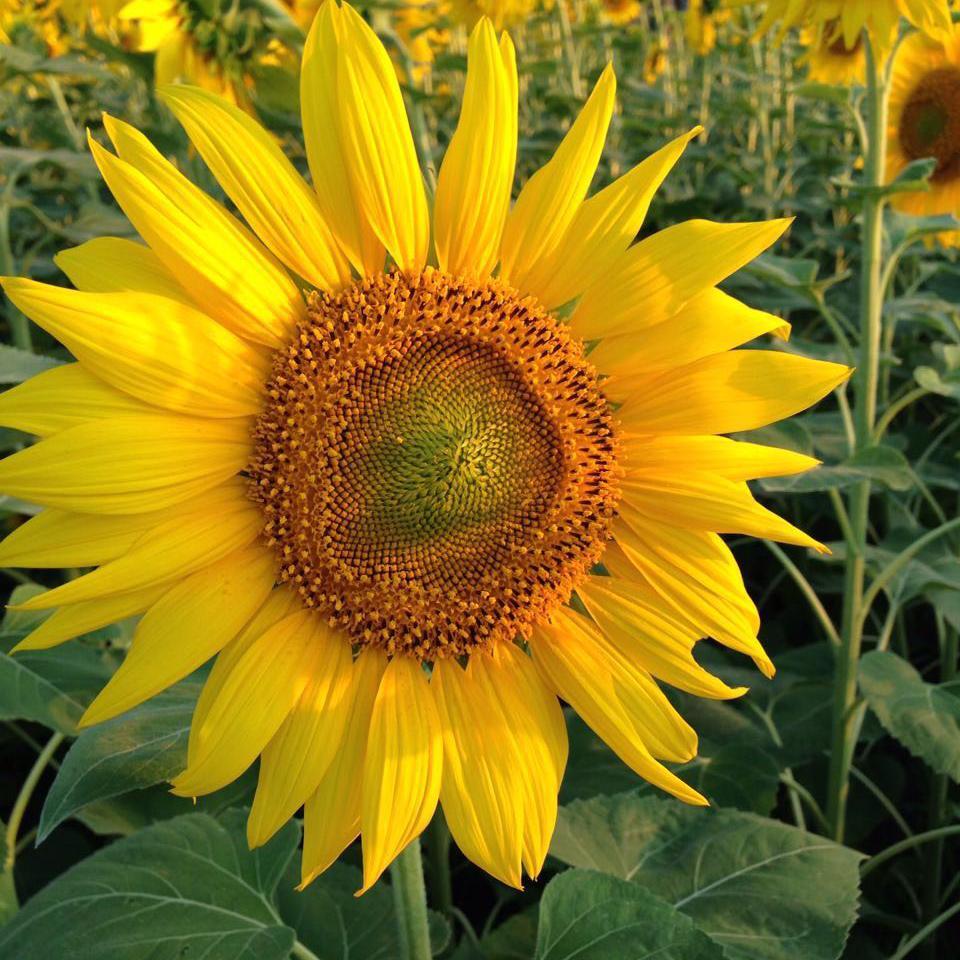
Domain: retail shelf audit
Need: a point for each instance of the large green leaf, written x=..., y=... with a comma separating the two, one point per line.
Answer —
x=139, y=749
x=880, y=464
x=52, y=687
x=337, y=925
x=185, y=888
x=924, y=717
x=591, y=916
x=760, y=888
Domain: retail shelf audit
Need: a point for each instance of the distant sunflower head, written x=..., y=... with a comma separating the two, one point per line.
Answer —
x=213, y=44
x=924, y=122
x=830, y=60
x=620, y=12
x=847, y=19
x=346, y=447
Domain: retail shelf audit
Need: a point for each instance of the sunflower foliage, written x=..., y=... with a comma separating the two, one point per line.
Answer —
x=100, y=861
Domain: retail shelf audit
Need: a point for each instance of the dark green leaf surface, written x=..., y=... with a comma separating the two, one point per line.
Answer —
x=924, y=717
x=761, y=889
x=591, y=916
x=184, y=888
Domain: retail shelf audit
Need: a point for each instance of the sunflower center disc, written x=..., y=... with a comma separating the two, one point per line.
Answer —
x=436, y=464
x=930, y=124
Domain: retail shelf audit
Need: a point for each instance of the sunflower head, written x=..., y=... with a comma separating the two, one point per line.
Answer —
x=924, y=122
x=348, y=447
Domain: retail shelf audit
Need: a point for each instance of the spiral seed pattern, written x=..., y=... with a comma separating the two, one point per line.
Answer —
x=436, y=463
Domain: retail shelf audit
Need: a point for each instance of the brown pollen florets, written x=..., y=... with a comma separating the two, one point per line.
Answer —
x=930, y=122
x=436, y=462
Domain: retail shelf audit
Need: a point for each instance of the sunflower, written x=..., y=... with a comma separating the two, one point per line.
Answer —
x=655, y=61
x=417, y=25
x=700, y=26
x=222, y=51
x=388, y=490
x=847, y=19
x=34, y=23
x=831, y=61
x=620, y=12
x=502, y=13
x=924, y=121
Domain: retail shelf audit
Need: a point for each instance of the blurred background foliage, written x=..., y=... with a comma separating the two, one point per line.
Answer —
x=755, y=878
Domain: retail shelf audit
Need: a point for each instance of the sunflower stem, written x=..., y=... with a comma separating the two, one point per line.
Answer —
x=847, y=714
x=410, y=903
x=23, y=799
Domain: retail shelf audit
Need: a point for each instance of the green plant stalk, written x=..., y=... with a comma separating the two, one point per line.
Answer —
x=19, y=325
x=23, y=799
x=847, y=714
x=410, y=903
x=939, y=794
x=438, y=861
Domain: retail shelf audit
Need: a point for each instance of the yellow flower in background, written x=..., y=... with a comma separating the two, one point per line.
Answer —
x=848, y=18
x=831, y=61
x=655, y=61
x=700, y=27
x=218, y=48
x=416, y=25
x=620, y=12
x=924, y=121
x=34, y=21
x=502, y=13
x=293, y=445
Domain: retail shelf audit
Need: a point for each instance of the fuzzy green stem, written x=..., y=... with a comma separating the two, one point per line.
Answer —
x=438, y=858
x=847, y=715
x=410, y=903
x=23, y=799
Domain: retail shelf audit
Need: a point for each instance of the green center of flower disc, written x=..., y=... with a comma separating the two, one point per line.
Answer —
x=930, y=123
x=436, y=464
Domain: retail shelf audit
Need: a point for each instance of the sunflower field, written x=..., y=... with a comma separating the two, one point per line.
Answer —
x=480, y=479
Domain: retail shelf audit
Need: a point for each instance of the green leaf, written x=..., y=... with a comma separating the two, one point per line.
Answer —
x=141, y=748
x=17, y=365
x=186, y=887
x=763, y=890
x=336, y=925
x=945, y=386
x=881, y=464
x=592, y=916
x=52, y=687
x=924, y=717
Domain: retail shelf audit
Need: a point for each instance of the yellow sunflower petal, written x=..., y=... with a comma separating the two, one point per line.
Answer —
x=295, y=761
x=159, y=350
x=478, y=791
x=602, y=228
x=729, y=392
x=320, y=106
x=64, y=397
x=218, y=261
x=331, y=816
x=517, y=694
x=711, y=322
x=187, y=626
x=733, y=459
x=479, y=162
x=402, y=766
x=57, y=538
x=575, y=661
x=378, y=146
x=134, y=465
x=254, y=172
x=695, y=574
x=642, y=630
x=112, y=265
x=281, y=603
x=215, y=524
x=72, y=621
x=705, y=502
x=549, y=200
x=652, y=280
x=255, y=699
